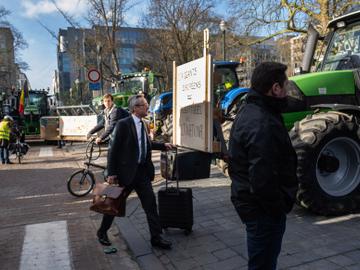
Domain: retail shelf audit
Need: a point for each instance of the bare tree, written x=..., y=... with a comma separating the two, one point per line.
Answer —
x=108, y=17
x=274, y=18
x=105, y=17
x=3, y=12
x=176, y=29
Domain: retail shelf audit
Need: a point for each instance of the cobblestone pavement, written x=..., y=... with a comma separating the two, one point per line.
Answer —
x=218, y=238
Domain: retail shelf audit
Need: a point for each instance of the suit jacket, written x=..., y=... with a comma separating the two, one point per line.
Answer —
x=123, y=153
x=115, y=115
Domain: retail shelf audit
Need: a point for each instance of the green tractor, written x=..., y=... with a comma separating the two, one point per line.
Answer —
x=145, y=82
x=36, y=106
x=324, y=105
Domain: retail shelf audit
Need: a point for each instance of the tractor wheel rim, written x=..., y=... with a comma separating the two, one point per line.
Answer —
x=342, y=176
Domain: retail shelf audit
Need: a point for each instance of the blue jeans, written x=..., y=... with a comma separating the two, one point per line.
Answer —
x=4, y=153
x=264, y=237
x=4, y=150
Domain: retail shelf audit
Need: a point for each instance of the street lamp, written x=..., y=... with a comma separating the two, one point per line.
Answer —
x=99, y=65
x=223, y=30
x=77, y=82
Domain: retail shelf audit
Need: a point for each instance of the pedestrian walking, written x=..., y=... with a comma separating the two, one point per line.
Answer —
x=129, y=164
x=5, y=131
x=262, y=165
x=111, y=115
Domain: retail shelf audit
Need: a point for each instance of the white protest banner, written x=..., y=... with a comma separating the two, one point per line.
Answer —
x=193, y=104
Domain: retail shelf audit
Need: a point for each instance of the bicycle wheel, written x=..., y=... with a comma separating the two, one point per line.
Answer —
x=80, y=183
x=18, y=154
x=93, y=150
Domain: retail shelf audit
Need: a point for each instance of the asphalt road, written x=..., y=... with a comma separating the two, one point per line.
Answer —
x=42, y=226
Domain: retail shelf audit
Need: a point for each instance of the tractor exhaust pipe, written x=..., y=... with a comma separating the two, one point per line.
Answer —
x=312, y=39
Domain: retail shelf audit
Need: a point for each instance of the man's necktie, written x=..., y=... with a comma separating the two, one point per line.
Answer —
x=143, y=154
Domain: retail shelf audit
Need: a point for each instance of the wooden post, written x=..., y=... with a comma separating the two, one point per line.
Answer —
x=174, y=102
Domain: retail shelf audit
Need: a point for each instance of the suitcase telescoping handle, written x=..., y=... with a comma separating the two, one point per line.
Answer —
x=173, y=160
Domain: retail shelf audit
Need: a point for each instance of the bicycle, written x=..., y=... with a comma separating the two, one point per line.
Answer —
x=19, y=149
x=82, y=182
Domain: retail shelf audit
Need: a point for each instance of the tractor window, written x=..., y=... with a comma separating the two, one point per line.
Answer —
x=157, y=86
x=344, y=50
x=132, y=85
x=37, y=100
x=296, y=101
x=225, y=79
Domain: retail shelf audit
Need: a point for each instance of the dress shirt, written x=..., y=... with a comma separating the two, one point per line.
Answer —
x=137, y=122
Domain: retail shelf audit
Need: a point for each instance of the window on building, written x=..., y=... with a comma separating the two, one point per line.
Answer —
x=2, y=43
x=126, y=56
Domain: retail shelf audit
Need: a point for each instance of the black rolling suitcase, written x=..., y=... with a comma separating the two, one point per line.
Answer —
x=176, y=206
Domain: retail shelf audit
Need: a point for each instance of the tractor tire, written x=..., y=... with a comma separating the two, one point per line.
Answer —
x=328, y=152
x=226, y=128
x=167, y=128
x=220, y=163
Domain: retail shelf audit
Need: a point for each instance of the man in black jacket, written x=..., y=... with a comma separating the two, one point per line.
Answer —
x=130, y=165
x=262, y=165
x=111, y=115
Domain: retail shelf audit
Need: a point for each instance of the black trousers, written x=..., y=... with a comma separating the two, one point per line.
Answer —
x=145, y=192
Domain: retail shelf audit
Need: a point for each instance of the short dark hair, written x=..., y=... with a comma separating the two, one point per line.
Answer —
x=266, y=74
x=108, y=95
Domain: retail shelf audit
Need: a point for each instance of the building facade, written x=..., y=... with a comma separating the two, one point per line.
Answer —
x=80, y=50
x=8, y=68
x=297, y=47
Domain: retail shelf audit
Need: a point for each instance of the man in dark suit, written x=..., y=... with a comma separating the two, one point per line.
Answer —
x=111, y=115
x=130, y=165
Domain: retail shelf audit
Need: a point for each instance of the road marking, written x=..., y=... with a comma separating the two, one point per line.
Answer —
x=46, y=246
x=46, y=152
x=40, y=196
x=337, y=219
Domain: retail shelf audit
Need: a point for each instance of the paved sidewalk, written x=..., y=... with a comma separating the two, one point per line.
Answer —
x=218, y=238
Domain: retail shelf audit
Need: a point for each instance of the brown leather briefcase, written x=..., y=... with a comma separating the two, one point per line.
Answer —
x=109, y=199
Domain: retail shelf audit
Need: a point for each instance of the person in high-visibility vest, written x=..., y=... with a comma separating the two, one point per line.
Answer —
x=5, y=130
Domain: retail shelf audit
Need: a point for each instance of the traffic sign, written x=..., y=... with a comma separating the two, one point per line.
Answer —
x=93, y=75
x=94, y=86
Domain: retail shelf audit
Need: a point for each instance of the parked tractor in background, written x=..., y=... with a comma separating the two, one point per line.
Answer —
x=36, y=105
x=145, y=82
x=323, y=118
x=327, y=140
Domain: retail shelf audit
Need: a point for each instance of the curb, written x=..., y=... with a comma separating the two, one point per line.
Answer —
x=141, y=250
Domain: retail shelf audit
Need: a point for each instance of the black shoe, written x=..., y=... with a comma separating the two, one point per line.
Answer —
x=8, y=162
x=161, y=243
x=103, y=238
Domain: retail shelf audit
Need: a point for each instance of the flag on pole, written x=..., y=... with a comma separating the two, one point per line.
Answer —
x=22, y=102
